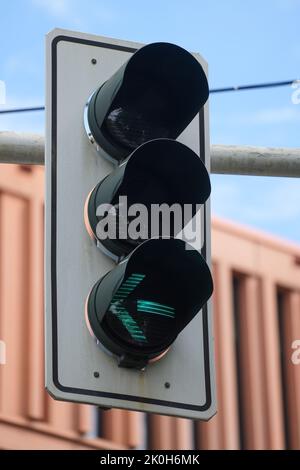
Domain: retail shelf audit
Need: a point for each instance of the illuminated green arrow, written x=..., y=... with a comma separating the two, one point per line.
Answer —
x=145, y=306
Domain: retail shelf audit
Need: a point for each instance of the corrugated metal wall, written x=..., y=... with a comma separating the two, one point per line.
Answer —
x=256, y=317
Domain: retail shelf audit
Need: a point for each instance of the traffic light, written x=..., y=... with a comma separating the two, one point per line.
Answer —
x=152, y=180
x=155, y=94
x=138, y=309
x=127, y=296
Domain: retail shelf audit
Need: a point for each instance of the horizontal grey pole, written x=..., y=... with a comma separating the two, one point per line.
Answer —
x=259, y=161
x=22, y=148
x=28, y=149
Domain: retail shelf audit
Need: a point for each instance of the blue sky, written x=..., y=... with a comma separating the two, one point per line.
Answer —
x=243, y=42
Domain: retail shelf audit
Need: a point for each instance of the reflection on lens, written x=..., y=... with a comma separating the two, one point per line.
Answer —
x=131, y=129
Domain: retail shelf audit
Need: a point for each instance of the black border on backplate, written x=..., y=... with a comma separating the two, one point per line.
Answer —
x=54, y=253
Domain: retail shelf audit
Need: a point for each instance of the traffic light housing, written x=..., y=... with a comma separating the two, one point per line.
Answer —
x=155, y=94
x=155, y=174
x=137, y=310
x=127, y=311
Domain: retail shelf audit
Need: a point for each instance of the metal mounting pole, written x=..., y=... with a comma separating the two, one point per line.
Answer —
x=28, y=149
x=259, y=161
x=22, y=148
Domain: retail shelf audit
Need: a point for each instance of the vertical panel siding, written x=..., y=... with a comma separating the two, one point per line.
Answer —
x=291, y=372
x=253, y=399
x=123, y=427
x=161, y=432
x=36, y=393
x=249, y=396
x=183, y=434
x=134, y=422
x=293, y=377
x=62, y=416
x=115, y=425
x=14, y=304
x=228, y=403
x=84, y=419
x=272, y=369
x=209, y=434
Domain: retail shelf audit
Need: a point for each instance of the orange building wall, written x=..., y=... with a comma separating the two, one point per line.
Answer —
x=256, y=318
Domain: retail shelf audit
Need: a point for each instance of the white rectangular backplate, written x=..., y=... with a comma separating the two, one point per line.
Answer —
x=74, y=264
